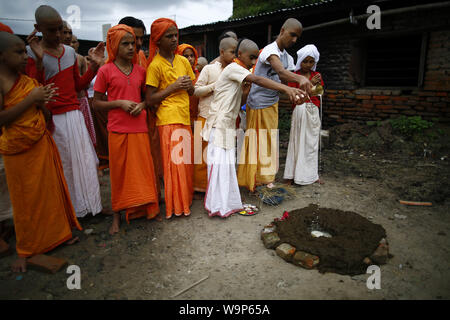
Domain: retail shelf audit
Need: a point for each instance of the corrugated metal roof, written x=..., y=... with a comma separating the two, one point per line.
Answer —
x=317, y=4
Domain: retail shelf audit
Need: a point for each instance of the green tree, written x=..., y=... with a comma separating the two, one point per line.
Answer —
x=244, y=8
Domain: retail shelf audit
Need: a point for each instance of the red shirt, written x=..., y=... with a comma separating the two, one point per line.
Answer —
x=119, y=86
x=63, y=72
x=314, y=99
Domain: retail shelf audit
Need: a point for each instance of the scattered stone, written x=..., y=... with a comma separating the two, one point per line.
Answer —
x=271, y=240
x=285, y=251
x=88, y=231
x=46, y=263
x=305, y=260
x=400, y=216
x=269, y=229
x=49, y=296
x=381, y=254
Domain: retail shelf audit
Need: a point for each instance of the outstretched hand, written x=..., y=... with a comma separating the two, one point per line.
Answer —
x=304, y=84
x=297, y=96
x=97, y=56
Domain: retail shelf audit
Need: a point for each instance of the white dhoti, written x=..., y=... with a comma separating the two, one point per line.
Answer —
x=222, y=193
x=79, y=162
x=303, y=149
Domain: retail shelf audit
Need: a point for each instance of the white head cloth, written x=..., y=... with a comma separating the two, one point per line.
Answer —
x=309, y=50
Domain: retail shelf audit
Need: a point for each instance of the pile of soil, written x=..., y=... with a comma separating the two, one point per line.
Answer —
x=353, y=238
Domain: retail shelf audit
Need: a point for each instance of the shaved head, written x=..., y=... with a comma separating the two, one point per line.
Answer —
x=46, y=13
x=231, y=34
x=227, y=43
x=202, y=61
x=7, y=40
x=247, y=45
x=292, y=23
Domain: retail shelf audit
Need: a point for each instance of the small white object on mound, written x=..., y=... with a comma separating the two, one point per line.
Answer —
x=318, y=234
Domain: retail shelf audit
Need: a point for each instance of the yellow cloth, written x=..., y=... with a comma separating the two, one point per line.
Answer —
x=160, y=74
x=29, y=127
x=258, y=163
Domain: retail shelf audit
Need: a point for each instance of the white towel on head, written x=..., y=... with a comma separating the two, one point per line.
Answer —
x=309, y=50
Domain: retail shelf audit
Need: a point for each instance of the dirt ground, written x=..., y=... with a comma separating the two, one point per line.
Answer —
x=366, y=169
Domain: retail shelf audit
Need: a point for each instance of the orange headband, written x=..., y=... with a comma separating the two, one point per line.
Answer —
x=185, y=46
x=113, y=38
x=158, y=28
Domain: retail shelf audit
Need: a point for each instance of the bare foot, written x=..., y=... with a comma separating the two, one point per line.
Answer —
x=20, y=265
x=270, y=185
x=115, y=227
x=72, y=241
x=289, y=182
x=158, y=218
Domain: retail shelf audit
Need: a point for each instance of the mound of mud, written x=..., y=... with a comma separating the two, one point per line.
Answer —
x=353, y=238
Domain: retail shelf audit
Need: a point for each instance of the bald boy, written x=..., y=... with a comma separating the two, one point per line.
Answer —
x=43, y=213
x=201, y=63
x=204, y=89
x=77, y=152
x=273, y=63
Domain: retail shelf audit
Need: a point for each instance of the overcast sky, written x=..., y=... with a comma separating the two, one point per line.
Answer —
x=19, y=14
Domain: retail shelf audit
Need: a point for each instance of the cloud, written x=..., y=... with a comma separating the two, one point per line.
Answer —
x=95, y=13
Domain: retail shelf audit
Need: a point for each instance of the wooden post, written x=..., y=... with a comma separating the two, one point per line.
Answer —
x=269, y=33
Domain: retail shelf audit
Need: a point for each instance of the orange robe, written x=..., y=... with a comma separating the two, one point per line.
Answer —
x=42, y=209
x=200, y=169
x=155, y=148
x=178, y=176
x=133, y=182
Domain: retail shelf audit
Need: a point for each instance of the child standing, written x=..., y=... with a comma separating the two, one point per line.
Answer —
x=169, y=84
x=222, y=194
x=303, y=149
x=204, y=89
x=54, y=62
x=133, y=182
x=42, y=209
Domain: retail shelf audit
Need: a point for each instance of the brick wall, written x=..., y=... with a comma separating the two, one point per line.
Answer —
x=340, y=64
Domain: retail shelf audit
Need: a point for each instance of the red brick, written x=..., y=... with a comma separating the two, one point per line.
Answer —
x=305, y=260
x=400, y=98
x=46, y=263
x=380, y=97
x=361, y=97
x=441, y=94
x=427, y=94
x=384, y=107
